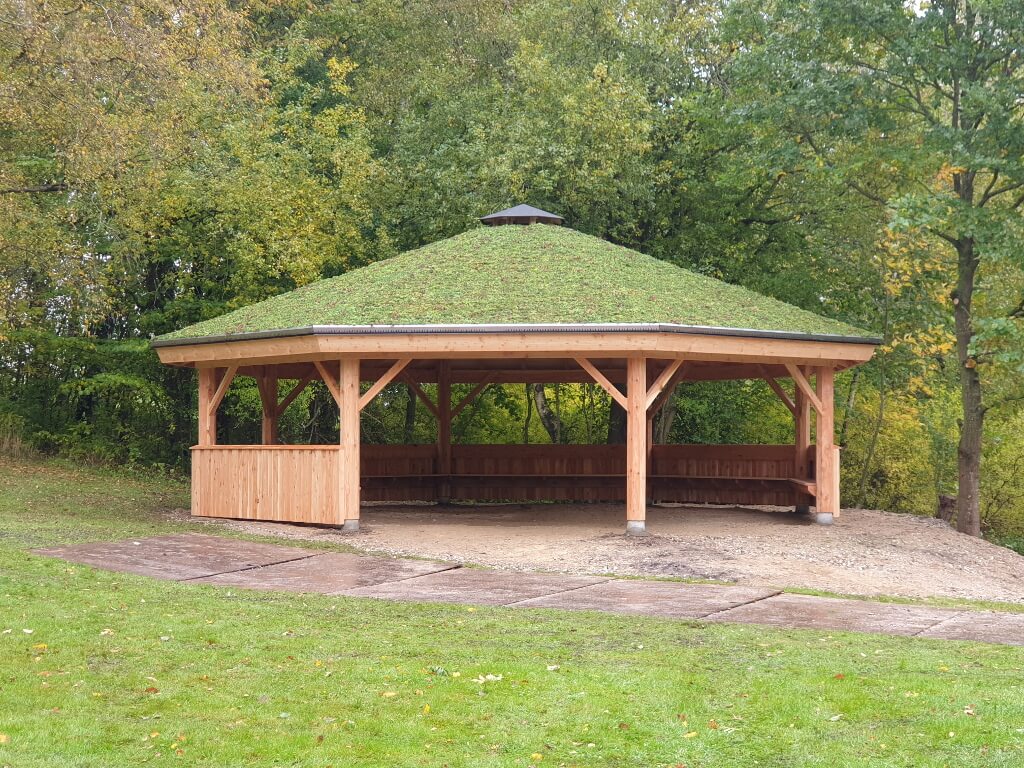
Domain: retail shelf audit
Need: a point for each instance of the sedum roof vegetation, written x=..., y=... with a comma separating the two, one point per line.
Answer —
x=515, y=274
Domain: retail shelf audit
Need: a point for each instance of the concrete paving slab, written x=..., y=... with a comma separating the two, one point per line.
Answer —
x=329, y=573
x=652, y=598
x=176, y=557
x=474, y=587
x=810, y=612
x=983, y=626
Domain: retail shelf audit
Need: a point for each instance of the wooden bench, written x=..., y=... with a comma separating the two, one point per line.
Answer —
x=806, y=487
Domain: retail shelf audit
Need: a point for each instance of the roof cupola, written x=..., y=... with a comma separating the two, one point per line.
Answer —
x=521, y=214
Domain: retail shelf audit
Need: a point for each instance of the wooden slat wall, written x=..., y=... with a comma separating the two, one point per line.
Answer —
x=298, y=483
x=280, y=483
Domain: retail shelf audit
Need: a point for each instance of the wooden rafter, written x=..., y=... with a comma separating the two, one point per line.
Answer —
x=222, y=388
x=805, y=386
x=470, y=397
x=296, y=391
x=778, y=390
x=330, y=381
x=383, y=381
x=431, y=406
x=662, y=381
x=600, y=378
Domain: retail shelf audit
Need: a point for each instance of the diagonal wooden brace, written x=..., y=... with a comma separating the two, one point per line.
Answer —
x=601, y=379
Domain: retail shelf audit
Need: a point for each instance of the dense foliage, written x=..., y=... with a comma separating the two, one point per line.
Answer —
x=163, y=163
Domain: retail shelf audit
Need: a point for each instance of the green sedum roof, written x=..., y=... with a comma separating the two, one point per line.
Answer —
x=513, y=274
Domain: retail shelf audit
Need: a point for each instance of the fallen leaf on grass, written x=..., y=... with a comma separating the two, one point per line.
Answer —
x=689, y=735
x=835, y=718
x=4, y=738
x=488, y=678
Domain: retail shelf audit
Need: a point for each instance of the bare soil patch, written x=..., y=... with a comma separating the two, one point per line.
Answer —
x=866, y=552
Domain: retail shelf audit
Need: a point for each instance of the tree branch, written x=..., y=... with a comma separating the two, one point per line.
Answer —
x=59, y=186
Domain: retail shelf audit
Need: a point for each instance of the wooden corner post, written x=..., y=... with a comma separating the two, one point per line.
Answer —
x=266, y=383
x=802, y=445
x=444, y=429
x=348, y=475
x=207, y=419
x=826, y=458
x=636, y=445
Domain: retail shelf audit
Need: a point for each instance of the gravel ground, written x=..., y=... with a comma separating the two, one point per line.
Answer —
x=866, y=552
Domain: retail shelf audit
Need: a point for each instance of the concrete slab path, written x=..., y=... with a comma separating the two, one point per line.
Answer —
x=220, y=561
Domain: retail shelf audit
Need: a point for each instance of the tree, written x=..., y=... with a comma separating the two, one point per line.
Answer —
x=916, y=107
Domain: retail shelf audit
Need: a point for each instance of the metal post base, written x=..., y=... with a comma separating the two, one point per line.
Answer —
x=823, y=518
x=636, y=528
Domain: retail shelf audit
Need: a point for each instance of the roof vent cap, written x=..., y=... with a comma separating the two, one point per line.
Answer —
x=521, y=214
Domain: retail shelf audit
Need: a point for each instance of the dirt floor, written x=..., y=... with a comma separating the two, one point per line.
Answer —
x=865, y=552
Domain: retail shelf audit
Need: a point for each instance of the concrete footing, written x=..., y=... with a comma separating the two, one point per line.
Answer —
x=350, y=526
x=801, y=509
x=636, y=528
x=823, y=518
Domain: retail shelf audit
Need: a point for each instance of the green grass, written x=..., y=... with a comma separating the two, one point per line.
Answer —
x=519, y=274
x=124, y=670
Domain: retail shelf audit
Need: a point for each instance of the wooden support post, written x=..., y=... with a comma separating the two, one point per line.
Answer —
x=266, y=382
x=636, y=445
x=826, y=459
x=802, y=445
x=348, y=476
x=444, y=429
x=650, y=450
x=207, y=417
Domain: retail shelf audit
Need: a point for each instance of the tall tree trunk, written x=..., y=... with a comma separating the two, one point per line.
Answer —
x=410, y=415
x=666, y=419
x=551, y=421
x=617, y=421
x=968, y=508
x=529, y=415
x=851, y=397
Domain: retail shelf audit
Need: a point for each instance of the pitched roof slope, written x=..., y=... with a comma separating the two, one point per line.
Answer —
x=536, y=274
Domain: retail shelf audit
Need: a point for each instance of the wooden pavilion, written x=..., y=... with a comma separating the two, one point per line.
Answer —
x=524, y=300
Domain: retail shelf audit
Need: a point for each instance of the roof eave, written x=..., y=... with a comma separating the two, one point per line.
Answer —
x=499, y=328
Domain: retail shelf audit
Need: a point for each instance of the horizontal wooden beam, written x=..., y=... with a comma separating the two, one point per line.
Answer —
x=596, y=344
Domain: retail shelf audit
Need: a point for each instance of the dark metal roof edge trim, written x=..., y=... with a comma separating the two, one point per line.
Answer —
x=370, y=330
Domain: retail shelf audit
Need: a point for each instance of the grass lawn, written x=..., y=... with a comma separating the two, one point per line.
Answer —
x=103, y=669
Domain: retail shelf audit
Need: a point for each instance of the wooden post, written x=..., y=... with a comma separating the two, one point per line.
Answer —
x=444, y=429
x=207, y=417
x=825, y=456
x=267, y=385
x=801, y=462
x=348, y=476
x=636, y=445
